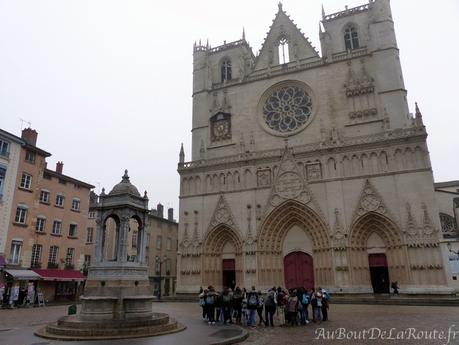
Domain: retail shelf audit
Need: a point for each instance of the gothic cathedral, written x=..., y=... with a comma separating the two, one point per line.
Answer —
x=307, y=169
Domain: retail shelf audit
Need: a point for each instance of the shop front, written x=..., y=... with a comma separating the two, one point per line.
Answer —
x=18, y=288
x=60, y=285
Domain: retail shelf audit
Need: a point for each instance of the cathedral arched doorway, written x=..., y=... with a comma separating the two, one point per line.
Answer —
x=298, y=270
x=293, y=227
x=222, y=258
x=379, y=273
x=377, y=254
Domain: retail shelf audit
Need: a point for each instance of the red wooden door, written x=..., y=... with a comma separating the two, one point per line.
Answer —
x=298, y=270
x=377, y=260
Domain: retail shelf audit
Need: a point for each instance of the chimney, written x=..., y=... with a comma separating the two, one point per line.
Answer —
x=170, y=214
x=30, y=136
x=59, y=167
x=160, y=209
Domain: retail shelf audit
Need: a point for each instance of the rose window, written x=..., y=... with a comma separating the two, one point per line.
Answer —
x=287, y=109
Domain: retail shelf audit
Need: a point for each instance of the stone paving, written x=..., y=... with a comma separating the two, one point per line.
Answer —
x=361, y=323
x=369, y=324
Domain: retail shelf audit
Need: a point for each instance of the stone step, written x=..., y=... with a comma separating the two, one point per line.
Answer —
x=428, y=301
x=57, y=330
x=432, y=300
x=75, y=322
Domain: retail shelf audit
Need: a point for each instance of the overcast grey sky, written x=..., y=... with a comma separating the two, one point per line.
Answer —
x=107, y=83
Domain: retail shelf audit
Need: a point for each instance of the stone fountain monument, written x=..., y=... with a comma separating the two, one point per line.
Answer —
x=117, y=300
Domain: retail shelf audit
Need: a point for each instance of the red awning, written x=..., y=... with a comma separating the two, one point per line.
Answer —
x=60, y=275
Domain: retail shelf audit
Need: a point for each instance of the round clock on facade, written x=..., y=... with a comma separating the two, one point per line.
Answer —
x=286, y=108
x=221, y=129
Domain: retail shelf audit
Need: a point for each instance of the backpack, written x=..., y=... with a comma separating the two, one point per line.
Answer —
x=300, y=306
x=314, y=302
x=281, y=298
x=305, y=299
x=210, y=299
x=261, y=303
x=226, y=298
x=253, y=300
x=202, y=302
x=270, y=301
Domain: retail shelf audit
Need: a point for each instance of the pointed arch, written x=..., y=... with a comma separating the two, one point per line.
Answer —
x=208, y=184
x=283, y=217
x=331, y=167
x=220, y=237
x=351, y=36
x=383, y=161
x=197, y=184
x=397, y=260
x=225, y=69
x=371, y=222
x=216, y=239
x=283, y=50
x=419, y=157
x=271, y=237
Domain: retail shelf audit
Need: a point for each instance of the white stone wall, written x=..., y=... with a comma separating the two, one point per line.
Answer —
x=11, y=164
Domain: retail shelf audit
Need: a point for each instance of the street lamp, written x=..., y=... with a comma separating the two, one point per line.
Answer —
x=448, y=245
x=159, y=263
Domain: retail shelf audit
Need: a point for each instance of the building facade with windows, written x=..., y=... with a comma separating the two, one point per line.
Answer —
x=162, y=251
x=10, y=150
x=308, y=169
x=47, y=231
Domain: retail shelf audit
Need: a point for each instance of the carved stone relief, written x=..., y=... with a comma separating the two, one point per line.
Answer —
x=313, y=171
x=370, y=201
x=264, y=177
x=222, y=214
x=339, y=236
x=289, y=184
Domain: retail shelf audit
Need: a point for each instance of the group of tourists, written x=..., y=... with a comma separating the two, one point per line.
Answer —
x=290, y=307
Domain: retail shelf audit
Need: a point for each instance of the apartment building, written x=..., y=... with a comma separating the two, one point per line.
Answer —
x=48, y=224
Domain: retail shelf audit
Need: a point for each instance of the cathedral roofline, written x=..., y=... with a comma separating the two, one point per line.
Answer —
x=346, y=12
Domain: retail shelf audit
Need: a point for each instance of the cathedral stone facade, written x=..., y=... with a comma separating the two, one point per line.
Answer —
x=308, y=169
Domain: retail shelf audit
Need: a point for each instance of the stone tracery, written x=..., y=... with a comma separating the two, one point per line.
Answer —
x=287, y=109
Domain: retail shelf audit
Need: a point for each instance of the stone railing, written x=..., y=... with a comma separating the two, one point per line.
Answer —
x=346, y=12
x=395, y=134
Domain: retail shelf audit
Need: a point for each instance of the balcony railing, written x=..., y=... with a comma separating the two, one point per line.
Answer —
x=53, y=265
x=35, y=265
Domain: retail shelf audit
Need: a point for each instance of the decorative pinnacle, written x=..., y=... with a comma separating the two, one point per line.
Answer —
x=418, y=112
x=280, y=6
x=323, y=12
x=243, y=33
x=418, y=117
x=181, y=155
x=125, y=176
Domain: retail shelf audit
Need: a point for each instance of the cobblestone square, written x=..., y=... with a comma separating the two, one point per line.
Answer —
x=348, y=324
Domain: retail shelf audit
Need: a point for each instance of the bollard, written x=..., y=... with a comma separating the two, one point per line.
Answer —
x=72, y=309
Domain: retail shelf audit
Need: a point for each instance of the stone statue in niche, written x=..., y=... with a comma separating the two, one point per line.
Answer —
x=314, y=171
x=264, y=177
